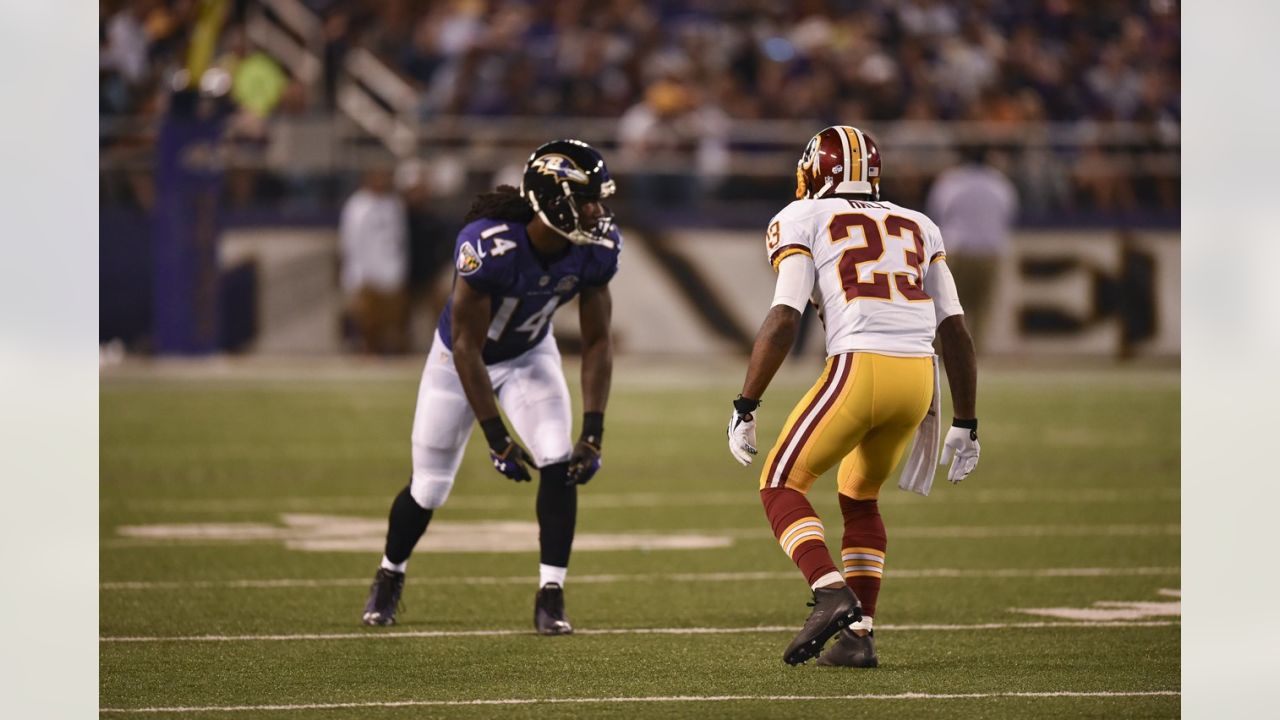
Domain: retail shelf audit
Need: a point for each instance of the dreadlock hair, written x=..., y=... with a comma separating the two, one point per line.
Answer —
x=504, y=203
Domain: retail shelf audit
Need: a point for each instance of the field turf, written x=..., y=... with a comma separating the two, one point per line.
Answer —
x=242, y=509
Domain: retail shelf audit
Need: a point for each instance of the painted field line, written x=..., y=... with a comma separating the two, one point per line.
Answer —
x=653, y=699
x=958, y=532
x=418, y=634
x=644, y=499
x=268, y=584
x=761, y=532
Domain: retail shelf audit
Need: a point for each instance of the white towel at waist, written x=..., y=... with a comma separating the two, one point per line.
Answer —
x=922, y=459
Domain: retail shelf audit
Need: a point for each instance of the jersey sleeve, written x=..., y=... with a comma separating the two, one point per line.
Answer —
x=475, y=262
x=934, y=249
x=788, y=234
x=938, y=282
x=796, y=278
x=604, y=261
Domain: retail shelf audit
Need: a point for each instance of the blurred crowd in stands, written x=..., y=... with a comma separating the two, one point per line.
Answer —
x=997, y=60
x=679, y=72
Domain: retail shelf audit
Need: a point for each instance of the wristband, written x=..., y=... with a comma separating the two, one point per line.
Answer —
x=970, y=424
x=593, y=428
x=495, y=432
x=745, y=405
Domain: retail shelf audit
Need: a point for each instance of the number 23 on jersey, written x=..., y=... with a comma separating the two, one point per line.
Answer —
x=888, y=274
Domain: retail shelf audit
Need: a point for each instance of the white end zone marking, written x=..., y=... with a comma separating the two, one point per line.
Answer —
x=652, y=699
x=1114, y=610
x=338, y=533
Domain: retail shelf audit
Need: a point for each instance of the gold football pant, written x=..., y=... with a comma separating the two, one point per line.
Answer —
x=862, y=413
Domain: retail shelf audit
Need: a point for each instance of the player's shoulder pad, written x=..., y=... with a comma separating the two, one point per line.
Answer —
x=910, y=213
x=798, y=210
x=481, y=247
x=612, y=248
x=926, y=223
x=602, y=262
x=793, y=217
x=932, y=234
x=788, y=229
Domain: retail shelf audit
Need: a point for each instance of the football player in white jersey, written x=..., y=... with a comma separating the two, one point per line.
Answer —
x=878, y=275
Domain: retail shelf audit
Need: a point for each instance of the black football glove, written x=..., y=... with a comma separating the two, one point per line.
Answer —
x=585, y=460
x=508, y=457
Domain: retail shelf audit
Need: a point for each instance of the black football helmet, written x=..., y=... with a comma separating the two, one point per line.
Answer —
x=559, y=177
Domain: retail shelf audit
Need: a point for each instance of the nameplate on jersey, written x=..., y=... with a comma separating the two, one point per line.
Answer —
x=468, y=259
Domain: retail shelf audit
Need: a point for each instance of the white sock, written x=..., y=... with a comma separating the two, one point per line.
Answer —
x=830, y=578
x=395, y=567
x=863, y=626
x=551, y=574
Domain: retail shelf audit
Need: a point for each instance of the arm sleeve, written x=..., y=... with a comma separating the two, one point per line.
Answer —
x=940, y=286
x=796, y=275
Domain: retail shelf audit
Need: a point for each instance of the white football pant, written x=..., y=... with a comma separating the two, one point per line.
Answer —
x=532, y=393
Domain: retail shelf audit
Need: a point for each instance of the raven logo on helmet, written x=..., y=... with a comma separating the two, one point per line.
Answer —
x=559, y=166
x=566, y=182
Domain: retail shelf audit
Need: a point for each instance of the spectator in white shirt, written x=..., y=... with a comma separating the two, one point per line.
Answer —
x=975, y=206
x=375, y=263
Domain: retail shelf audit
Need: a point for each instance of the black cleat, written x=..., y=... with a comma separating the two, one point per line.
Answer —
x=833, y=609
x=851, y=651
x=384, y=598
x=548, y=611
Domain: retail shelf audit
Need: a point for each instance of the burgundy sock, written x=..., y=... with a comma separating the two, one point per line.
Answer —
x=798, y=530
x=862, y=552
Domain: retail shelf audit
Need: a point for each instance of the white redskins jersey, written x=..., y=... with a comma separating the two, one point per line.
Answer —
x=871, y=259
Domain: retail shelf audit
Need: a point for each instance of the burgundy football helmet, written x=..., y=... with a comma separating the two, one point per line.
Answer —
x=840, y=159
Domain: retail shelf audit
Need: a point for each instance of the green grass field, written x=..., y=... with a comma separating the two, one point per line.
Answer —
x=241, y=518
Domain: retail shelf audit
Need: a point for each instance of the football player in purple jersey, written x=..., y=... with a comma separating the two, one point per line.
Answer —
x=521, y=255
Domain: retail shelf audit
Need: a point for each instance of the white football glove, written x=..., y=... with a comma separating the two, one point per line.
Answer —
x=963, y=444
x=742, y=436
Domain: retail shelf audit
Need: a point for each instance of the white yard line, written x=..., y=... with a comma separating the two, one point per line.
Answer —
x=896, y=574
x=607, y=500
x=761, y=532
x=652, y=699
x=413, y=634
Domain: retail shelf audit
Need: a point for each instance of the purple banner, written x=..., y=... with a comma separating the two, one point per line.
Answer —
x=185, y=228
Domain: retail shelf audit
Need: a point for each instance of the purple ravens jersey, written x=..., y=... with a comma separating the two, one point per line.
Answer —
x=497, y=258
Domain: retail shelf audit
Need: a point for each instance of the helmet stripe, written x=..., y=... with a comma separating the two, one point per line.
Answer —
x=844, y=142
x=862, y=155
